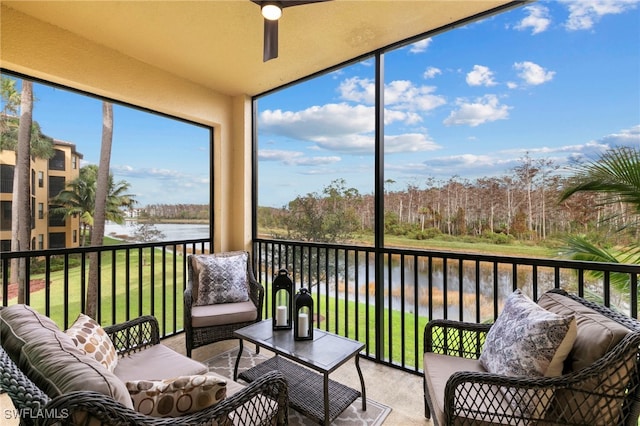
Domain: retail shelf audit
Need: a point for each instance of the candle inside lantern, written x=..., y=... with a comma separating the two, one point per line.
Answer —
x=303, y=325
x=281, y=316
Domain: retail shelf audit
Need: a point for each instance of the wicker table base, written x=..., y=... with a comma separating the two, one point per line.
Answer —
x=304, y=386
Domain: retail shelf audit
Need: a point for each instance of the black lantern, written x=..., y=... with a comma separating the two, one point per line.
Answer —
x=303, y=316
x=282, y=302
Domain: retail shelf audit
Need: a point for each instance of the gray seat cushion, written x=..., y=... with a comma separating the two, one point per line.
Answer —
x=223, y=313
x=156, y=363
x=51, y=359
x=20, y=324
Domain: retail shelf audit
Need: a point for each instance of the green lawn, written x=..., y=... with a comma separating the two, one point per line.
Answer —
x=403, y=346
x=114, y=288
x=125, y=287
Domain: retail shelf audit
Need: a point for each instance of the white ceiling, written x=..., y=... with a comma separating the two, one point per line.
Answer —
x=218, y=44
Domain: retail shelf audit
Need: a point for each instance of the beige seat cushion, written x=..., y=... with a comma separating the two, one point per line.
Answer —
x=438, y=368
x=223, y=313
x=51, y=359
x=58, y=367
x=596, y=336
x=157, y=362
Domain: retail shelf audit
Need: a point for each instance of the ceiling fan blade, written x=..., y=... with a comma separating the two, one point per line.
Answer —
x=270, y=50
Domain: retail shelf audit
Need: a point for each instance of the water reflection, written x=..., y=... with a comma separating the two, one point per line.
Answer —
x=467, y=288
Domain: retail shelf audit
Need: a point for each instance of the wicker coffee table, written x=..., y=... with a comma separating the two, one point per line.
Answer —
x=306, y=365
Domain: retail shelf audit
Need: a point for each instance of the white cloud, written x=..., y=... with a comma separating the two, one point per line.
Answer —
x=480, y=76
x=482, y=110
x=295, y=158
x=399, y=94
x=365, y=144
x=420, y=46
x=628, y=137
x=339, y=128
x=357, y=89
x=403, y=94
x=431, y=72
x=532, y=73
x=538, y=19
x=316, y=121
x=409, y=142
x=584, y=14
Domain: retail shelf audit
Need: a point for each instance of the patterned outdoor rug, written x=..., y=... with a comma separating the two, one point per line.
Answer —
x=353, y=415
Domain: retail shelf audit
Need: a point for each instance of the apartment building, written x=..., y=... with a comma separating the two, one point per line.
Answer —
x=48, y=178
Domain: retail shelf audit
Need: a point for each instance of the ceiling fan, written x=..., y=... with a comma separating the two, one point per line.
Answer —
x=272, y=11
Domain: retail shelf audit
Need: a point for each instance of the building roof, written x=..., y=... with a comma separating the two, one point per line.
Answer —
x=218, y=44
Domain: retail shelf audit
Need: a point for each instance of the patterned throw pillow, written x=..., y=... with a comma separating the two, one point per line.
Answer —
x=93, y=341
x=526, y=340
x=222, y=278
x=178, y=396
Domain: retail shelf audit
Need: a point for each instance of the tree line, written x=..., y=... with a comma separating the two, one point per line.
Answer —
x=176, y=211
x=525, y=204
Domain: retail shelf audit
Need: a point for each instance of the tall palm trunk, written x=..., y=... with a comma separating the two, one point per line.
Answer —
x=102, y=188
x=21, y=209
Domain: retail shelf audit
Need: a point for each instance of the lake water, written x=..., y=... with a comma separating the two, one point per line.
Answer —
x=171, y=231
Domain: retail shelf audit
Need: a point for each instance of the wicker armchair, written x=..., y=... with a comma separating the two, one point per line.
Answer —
x=208, y=324
x=610, y=387
x=263, y=402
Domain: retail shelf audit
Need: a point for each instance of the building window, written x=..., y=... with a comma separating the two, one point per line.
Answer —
x=40, y=242
x=6, y=178
x=55, y=219
x=33, y=243
x=74, y=162
x=40, y=210
x=33, y=182
x=56, y=185
x=5, y=245
x=40, y=179
x=57, y=161
x=57, y=240
x=75, y=236
x=5, y=216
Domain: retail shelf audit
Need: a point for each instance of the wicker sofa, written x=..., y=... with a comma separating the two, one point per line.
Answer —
x=599, y=383
x=50, y=382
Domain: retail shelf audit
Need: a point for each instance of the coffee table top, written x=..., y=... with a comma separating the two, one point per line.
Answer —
x=325, y=353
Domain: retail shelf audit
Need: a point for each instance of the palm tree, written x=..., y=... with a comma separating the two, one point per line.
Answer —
x=12, y=128
x=616, y=177
x=21, y=209
x=79, y=198
x=101, y=205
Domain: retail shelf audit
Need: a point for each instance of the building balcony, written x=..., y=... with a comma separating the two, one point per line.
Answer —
x=383, y=299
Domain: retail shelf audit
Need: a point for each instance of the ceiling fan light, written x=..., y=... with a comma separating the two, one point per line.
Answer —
x=271, y=11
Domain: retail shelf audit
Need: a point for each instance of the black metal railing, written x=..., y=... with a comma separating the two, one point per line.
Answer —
x=383, y=297
x=134, y=280
x=389, y=314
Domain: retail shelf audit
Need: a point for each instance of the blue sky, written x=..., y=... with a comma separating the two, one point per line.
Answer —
x=557, y=80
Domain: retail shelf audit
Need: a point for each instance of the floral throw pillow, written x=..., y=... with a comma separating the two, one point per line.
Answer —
x=178, y=396
x=222, y=278
x=527, y=340
x=91, y=339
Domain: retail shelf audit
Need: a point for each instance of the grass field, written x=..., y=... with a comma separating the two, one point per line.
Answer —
x=128, y=292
